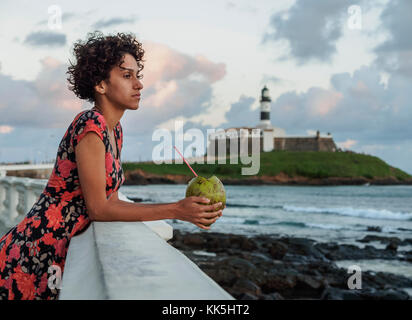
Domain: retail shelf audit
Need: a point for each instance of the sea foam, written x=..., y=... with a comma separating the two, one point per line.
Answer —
x=367, y=213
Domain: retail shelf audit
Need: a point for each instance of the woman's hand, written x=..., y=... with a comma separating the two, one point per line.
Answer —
x=197, y=211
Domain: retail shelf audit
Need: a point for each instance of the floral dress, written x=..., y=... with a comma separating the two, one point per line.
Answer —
x=32, y=250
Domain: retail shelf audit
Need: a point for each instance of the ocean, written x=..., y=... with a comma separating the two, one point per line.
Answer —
x=342, y=214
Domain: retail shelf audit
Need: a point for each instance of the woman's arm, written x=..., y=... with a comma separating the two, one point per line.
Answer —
x=90, y=158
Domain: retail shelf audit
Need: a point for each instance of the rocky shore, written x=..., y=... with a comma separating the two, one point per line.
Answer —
x=140, y=177
x=267, y=267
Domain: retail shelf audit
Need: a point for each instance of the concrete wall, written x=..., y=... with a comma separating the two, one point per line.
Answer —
x=305, y=144
x=280, y=143
x=127, y=260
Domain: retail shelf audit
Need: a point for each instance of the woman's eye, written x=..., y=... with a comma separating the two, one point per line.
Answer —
x=127, y=75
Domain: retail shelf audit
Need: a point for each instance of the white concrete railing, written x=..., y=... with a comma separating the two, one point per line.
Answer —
x=119, y=260
x=12, y=167
x=17, y=196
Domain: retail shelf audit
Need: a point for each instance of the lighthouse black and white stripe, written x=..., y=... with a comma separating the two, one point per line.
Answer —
x=265, y=109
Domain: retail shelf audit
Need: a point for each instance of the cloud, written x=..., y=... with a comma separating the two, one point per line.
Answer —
x=232, y=6
x=6, y=129
x=311, y=28
x=241, y=114
x=267, y=78
x=45, y=38
x=395, y=53
x=164, y=64
x=104, y=23
x=45, y=102
x=348, y=144
x=358, y=104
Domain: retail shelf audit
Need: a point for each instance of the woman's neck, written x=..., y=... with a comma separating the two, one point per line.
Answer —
x=111, y=115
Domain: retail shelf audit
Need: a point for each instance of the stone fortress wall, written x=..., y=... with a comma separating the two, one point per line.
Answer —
x=311, y=143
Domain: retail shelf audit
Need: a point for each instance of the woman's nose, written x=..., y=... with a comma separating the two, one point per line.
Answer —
x=138, y=85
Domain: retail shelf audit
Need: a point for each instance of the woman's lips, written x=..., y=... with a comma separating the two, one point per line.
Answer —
x=136, y=96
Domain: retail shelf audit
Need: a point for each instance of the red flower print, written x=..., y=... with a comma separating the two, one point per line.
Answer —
x=22, y=225
x=90, y=126
x=56, y=182
x=65, y=167
x=34, y=248
x=67, y=196
x=25, y=283
x=43, y=283
x=109, y=162
x=6, y=283
x=54, y=216
x=28, y=232
x=14, y=253
x=81, y=223
x=48, y=239
x=109, y=181
x=36, y=222
x=3, y=258
x=61, y=247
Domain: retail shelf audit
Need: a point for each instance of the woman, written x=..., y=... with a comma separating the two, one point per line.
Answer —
x=87, y=175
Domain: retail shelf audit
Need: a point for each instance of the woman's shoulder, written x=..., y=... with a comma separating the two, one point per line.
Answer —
x=89, y=114
x=85, y=121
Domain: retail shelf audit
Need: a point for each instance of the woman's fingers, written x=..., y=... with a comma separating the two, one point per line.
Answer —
x=208, y=221
x=212, y=207
x=200, y=199
x=201, y=226
x=211, y=214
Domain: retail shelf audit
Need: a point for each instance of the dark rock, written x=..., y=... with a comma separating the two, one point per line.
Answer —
x=278, y=250
x=276, y=296
x=194, y=240
x=247, y=296
x=388, y=294
x=407, y=256
x=351, y=252
x=304, y=247
x=270, y=268
x=248, y=244
x=246, y=286
x=392, y=246
x=374, y=229
x=279, y=282
x=406, y=242
x=135, y=199
x=384, y=240
x=331, y=293
x=238, y=264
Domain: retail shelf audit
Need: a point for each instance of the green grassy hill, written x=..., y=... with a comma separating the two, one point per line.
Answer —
x=305, y=164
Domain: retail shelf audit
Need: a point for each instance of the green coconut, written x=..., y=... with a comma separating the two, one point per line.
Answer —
x=211, y=188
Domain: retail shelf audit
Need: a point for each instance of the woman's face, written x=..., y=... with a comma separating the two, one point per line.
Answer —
x=123, y=88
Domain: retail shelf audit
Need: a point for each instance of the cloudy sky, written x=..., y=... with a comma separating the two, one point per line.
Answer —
x=339, y=66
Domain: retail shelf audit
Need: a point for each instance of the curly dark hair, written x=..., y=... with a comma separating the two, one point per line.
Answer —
x=96, y=57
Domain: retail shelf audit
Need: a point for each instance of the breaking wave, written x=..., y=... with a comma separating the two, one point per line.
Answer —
x=354, y=212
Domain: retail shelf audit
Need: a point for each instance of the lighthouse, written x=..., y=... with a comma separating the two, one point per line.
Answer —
x=265, y=109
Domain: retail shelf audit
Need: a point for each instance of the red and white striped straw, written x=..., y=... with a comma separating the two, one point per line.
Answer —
x=186, y=162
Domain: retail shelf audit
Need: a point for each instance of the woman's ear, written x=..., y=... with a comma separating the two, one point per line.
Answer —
x=100, y=87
